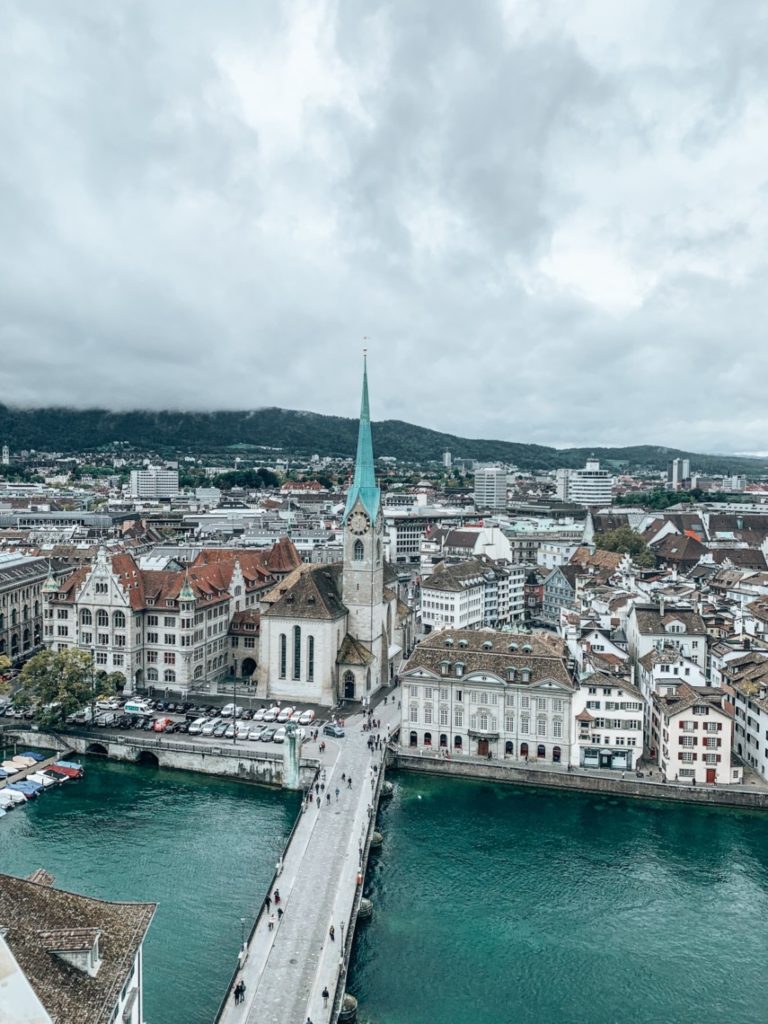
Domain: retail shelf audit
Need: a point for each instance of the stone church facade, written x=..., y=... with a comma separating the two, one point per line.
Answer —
x=336, y=632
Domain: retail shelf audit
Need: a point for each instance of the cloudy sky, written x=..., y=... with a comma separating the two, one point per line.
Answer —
x=548, y=218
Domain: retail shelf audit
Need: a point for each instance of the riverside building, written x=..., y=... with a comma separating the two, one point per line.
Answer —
x=21, y=603
x=69, y=959
x=166, y=630
x=489, y=694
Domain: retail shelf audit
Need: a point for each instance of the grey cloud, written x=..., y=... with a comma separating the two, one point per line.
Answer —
x=548, y=219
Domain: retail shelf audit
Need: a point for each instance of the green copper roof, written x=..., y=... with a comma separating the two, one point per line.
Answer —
x=364, y=484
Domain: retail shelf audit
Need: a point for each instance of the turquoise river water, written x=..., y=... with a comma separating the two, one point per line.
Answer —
x=491, y=903
x=204, y=849
x=496, y=904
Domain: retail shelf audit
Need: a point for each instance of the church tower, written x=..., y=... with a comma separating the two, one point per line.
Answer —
x=363, y=574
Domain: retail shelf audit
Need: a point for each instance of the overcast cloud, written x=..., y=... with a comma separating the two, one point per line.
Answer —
x=549, y=218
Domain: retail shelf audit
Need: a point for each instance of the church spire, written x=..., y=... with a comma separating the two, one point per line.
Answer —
x=364, y=484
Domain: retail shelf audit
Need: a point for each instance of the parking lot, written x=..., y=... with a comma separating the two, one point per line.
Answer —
x=259, y=728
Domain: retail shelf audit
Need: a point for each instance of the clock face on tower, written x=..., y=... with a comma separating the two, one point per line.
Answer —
x=359, y=522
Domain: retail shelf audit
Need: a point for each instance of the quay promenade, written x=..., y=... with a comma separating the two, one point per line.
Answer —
x=287, y=967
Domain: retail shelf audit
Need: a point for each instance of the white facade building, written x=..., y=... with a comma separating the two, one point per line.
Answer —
x=490, y=487
x=154, y=483
x=691, y=730
x=654, y=626
x=588, y=486
x=608, y=717
x=488, y=694
x=473, y=593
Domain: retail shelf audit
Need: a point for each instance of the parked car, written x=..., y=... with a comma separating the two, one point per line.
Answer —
x=255, y=733
x=210, y=725
x=279, y=736
x=296, y=716
x=229, y=732
x=241, y=730
x=161, y=724
x=271, y=714
x=307, y=718
x=220, y=730
x=285, y=714
x=148, y=724
x=258, y=716
x=331, y=729
x=268, y=735
x=247, y=715
x=197, y=726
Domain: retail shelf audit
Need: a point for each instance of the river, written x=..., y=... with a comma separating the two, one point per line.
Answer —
x=533, y=907
x=203, y=848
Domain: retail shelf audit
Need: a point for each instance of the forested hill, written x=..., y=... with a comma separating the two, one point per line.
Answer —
x=68, y=430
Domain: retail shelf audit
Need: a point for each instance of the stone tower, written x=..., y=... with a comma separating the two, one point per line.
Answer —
x=363, y=577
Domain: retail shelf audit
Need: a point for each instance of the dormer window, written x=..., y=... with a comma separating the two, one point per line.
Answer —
x=449, y=641
x=487, y=645
x=513, y=646
x=445, y=667
x=460, y=666
x=78, y=947
x=525, y=675
x=511, y=674
x=527, y=649
x=462, y=643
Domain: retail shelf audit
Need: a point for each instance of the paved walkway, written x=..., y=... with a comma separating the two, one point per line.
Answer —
x=288, y=967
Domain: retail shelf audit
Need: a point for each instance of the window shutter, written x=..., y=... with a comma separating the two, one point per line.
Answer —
x=680, y=724
x=695, y=757
x=719, y=726
x=718, y=759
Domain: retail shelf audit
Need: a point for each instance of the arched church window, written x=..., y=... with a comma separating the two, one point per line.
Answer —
x=359, y=551
x=283, y=655
x=310, y=658
x=297, y=652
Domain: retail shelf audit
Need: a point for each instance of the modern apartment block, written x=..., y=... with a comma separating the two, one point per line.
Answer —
x=490, y=487
x=154, y=483
x=589, y=486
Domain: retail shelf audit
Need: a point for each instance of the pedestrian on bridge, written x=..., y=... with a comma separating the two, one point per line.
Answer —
x=326, y=994
x=337, y=794
x=332, y=933
x=328, y=799
x=268, y=902
x=349, y=782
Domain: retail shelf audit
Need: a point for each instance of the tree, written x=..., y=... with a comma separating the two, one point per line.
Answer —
x=61, y=683
x=5, y=664
x=625, y=540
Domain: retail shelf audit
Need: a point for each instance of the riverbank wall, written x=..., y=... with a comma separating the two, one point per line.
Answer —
x=577, y=781
x=233, y=763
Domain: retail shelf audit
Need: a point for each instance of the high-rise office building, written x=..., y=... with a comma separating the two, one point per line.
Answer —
x=490, y=487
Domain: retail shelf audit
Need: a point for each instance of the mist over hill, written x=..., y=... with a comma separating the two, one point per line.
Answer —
x=71, y=430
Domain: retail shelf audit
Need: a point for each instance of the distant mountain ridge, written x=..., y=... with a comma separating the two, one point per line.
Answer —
x=69, y=430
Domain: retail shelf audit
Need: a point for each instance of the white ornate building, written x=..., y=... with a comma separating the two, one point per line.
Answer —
x=485, y=692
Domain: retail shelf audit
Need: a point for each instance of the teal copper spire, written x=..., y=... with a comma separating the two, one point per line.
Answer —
x=364, y=484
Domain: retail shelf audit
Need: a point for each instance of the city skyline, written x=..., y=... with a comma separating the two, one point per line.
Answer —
x=546, y=219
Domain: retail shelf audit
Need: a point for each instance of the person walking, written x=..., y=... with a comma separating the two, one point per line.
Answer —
x=326, y=994
x=343, y=776
x=337, y=794
x=328, y=799
x=332, y=933
x=318, y=803
x=271, y=922
x=277, y=897
x=349, y=782
x=280, y=913
x=242, y=991
x=268, y=902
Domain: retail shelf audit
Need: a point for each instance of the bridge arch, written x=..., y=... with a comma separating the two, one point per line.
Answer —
x=147, y=757
x=96, y=748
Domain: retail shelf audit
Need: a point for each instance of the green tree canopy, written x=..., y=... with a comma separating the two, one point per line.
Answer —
x=61, y=683
x=625, y=540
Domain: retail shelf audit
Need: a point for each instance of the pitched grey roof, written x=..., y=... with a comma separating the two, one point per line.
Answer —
x=39, y=919
x=310, y=592
x=650, y=621
x=491, y=651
